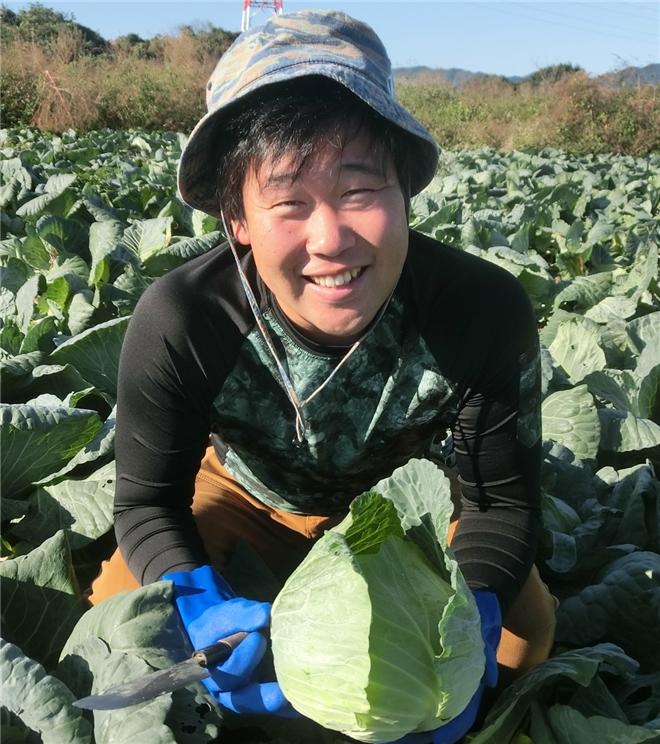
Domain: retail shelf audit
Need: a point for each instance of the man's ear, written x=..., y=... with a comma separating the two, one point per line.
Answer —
x=240, y=232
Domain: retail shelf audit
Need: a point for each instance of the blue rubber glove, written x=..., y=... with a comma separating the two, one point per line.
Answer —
x=491, y=629
x=210, y=610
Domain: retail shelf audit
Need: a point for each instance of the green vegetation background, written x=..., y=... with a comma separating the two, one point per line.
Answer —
x=58, y=74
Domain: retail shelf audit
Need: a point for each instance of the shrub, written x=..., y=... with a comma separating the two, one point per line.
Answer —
x=592, y=118
x=20, y=93
x=552, y=73
x=40, y=25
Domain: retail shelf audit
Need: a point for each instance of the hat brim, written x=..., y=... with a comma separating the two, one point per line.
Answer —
x=198, y=175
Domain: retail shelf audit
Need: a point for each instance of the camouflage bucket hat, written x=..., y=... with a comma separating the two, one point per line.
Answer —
x=288, y=46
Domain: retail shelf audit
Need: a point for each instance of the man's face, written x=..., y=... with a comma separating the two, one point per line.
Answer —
x=330, y=245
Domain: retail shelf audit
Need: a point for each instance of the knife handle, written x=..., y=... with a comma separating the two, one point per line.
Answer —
x=219, y=651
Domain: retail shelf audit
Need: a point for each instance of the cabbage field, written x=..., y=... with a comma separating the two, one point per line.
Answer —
x=89, y=221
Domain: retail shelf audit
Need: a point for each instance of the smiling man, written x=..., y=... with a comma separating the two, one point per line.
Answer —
x=267, y=383
x=328, y=239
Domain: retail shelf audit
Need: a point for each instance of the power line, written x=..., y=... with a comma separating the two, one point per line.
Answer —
x=589, y=21
x=653, y=15
x=500, y=10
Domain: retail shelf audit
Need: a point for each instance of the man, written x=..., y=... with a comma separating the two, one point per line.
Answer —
x=322, y=347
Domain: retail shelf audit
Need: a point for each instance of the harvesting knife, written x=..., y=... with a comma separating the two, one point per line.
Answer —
x=165, y=680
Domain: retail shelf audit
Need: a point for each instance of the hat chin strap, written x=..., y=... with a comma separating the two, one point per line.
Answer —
x=298, y=405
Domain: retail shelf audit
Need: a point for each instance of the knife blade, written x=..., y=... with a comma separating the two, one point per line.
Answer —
x=165, y=680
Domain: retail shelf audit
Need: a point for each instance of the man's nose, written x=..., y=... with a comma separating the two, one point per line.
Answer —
x=327, y=234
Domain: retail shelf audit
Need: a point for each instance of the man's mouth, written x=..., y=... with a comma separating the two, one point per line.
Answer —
x=337, y=280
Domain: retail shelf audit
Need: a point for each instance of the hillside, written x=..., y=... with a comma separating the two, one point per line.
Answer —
x=648, y=75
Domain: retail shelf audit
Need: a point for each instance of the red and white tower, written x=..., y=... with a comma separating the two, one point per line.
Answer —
x=248, y=5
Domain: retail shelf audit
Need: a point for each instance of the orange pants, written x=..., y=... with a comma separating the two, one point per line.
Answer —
x=225, y=514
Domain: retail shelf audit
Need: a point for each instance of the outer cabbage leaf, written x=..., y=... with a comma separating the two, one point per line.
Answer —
x=623, y=605
x=569, y=725
x=635, y=499
x=41, y=601
x=146, y=238
x=39, y=439
x=645, y=331
x=126, y=637
x=142, y=623
x=100, y=448
x=542, y=684
x=639, y=699
x=95, y=353
x=570, y=418
x=144, y=723
x=103, y=239
x=41, y=702
x=648, y=396
x=615, y=386
x=576, y=349
x=612, y=308
x=83, y=506
x=15, y=373
x=624, y=432
x=180, y=251
x=376, y=634
x=584, y=291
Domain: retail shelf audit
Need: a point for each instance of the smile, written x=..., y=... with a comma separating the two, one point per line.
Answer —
x=337, y=280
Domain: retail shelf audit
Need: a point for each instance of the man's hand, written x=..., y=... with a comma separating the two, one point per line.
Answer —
x=210, y=610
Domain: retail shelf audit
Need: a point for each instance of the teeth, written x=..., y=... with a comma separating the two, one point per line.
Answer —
x=336, y=280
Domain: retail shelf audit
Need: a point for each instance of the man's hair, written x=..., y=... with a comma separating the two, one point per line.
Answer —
x=297, y=119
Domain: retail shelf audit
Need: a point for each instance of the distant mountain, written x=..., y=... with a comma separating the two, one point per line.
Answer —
x=649, y=75
x=456, y=76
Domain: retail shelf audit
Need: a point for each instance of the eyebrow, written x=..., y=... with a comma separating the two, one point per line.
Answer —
x=278, y=179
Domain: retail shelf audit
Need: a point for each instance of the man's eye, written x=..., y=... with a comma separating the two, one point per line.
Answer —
x=359, y=192
x=289, y=203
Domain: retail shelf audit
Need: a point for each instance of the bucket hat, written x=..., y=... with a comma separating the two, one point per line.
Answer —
x=289, y=46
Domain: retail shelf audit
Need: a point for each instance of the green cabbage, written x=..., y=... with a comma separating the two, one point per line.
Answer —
x=376, y=634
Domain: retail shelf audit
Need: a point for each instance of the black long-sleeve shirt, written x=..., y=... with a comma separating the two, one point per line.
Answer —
x=456, y=348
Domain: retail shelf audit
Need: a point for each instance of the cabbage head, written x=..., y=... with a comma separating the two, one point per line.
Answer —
x=376, y=633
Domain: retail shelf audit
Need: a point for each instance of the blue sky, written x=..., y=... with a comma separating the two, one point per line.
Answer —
x=508, y=38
